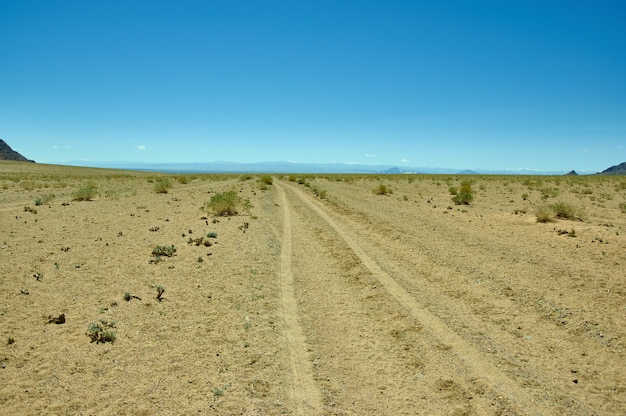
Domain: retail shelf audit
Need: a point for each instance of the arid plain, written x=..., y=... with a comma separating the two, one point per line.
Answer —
x=331, y=295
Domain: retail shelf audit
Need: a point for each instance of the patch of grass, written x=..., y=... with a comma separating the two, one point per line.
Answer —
x=101, y=331
x=227, y=204
x=86, y=193
x=453, y=190
x=548, y=193
x=465, y=195
x=266, y=179
x=44, y=199
x=622, y=207
x=544, y=214
x=565, y=211
x=167, y=251
x=162, y=185
x=382, y=190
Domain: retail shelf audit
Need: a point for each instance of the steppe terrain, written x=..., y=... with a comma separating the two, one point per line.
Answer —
x=326, y=298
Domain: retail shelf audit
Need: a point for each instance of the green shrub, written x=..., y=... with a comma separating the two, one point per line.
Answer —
x=162, y=185
x=465, y=195
x=101, y=331
x=382, y=190
x=40, y=200
x=565, y=211
x=622, y=207
x=183, y=180
x=167, y=251
x=226, y=204
x=86, y=193
x=266, y=179
x=453, y=190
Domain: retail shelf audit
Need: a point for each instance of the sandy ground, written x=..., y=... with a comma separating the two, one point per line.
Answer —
x=354, y=304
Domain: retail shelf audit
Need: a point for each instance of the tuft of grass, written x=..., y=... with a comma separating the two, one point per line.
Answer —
x=44, y=199
x=544, y=214
x=465, y=195
x=162, y=185
x=86, y=193
x=167, y=251
x=382, y=190
x=101, y=331
x=565, y=211
x=622, y=207
x=227, y=204
x=266, y=179
x=453, y=190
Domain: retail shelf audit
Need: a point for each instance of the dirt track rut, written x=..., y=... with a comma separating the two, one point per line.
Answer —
x=375, y=348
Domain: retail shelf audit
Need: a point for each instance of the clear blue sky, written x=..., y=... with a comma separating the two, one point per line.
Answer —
x=463, y=84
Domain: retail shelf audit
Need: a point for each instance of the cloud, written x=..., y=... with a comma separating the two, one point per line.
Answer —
x=404, y=160
x=142, y=147
x=369, y=155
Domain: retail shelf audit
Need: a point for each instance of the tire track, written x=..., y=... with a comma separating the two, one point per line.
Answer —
x=476, y=363
x=303, y=393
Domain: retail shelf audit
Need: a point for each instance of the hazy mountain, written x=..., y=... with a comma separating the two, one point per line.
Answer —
x=6, y=153
x=615, y=170
x=302, y=168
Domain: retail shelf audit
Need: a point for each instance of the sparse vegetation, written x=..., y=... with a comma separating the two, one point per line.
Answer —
x=101, y=331
x=86, y=193
x=266, y=179
x=44, y=199
x=544, y=214
x=227, y=204
x=382, y=190
x=162, y=185
x=565, y=211
x=160, y=290
x=465, y=195
x=163, y=251
x=622, y=207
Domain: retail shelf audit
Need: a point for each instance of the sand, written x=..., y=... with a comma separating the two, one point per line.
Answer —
x=351, y=304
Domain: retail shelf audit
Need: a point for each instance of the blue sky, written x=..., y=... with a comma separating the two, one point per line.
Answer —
x=500, y=84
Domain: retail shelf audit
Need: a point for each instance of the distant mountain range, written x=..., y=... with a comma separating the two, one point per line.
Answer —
x=303, y=168
x=6, y=153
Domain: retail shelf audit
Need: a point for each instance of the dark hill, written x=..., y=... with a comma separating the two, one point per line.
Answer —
x=6, y=153
x=615, y=170
x=571, y=173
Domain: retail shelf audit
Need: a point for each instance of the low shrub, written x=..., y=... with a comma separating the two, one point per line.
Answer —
x=266, y=179
x=565, y=211
x=167, y=251
x=465, y=195
x=544, y=214
x=162, y=185
x=101, y=331
x=622, y=207
x=226, y=204
x=382, y=190
x=86, y=193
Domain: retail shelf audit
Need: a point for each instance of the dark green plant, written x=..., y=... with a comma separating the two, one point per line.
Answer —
x=266, y=179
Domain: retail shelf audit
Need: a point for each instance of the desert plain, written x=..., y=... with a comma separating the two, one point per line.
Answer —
x=326, y=295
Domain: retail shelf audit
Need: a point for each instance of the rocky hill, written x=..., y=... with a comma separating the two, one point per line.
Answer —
x=615, y=170
x=6, y=153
